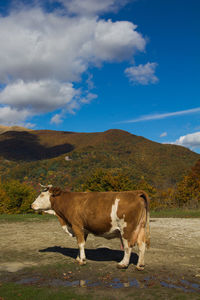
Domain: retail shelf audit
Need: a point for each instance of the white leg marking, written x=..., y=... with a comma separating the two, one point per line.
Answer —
x=127, y=253
x=140, y=264
x=120, y=224
x=81, y=258
x=82, y=251
x=65, y=228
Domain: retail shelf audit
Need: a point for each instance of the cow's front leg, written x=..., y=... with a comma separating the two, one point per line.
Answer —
x=78, y=231
x=81, y=258
x=65, y=227
x=123, y=264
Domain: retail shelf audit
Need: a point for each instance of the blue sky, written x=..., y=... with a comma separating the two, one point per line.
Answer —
x=90, y=65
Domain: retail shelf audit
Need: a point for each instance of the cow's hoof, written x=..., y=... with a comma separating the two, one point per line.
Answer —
x=81, y=262
x=122, y=266
x=140, y=267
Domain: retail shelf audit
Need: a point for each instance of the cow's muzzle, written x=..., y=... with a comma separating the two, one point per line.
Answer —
x=33, y=207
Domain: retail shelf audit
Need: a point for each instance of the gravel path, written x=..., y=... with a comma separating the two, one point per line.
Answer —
x=175, y=246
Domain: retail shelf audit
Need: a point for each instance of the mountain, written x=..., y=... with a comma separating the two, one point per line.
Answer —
x=72, y=156
x=12, y=128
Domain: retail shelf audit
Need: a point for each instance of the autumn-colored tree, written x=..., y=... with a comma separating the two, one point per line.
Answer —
x=188, y=190
x=163, y=199
x=17, y=197
x=145, y=186
x=4, y=199
x=104, y=180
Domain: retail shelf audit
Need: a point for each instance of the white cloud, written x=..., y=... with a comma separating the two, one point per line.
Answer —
x=29, y=125
x=39, y=96
x=56, y=119
x=88, y=98
x=142, y=74
x=11, y=116
x=36, y=45
x=163, y=116
x=44, y=54
x=92, y=7
x=163, y=134
x=190, y=140
x=116, y=41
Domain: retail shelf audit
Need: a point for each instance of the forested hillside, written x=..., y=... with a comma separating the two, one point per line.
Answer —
x=66, y=158
x=111, y=160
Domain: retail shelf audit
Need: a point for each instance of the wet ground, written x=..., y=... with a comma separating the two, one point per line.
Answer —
x=41, y=254
x=115, y=283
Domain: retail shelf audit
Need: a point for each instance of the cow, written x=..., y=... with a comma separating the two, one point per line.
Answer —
x=123, y=215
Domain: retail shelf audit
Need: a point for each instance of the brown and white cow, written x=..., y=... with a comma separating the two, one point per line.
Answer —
x=108, y=214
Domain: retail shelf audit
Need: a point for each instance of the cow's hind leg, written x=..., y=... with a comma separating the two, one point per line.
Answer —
x=129, y=238
x=81, y=258
x=123, y=264
x=141, y=247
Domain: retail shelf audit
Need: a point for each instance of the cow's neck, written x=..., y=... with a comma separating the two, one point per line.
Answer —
x=60, y=204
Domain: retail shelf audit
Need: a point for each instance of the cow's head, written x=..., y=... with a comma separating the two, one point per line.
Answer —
x=42, y=202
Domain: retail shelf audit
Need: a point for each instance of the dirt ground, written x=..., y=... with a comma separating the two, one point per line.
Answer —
x=174, y=254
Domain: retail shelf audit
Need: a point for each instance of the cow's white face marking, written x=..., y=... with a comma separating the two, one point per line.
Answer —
x=42, y=202
x=116, y=222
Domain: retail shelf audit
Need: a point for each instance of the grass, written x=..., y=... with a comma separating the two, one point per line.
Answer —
x=26, y=218
x=12, y=291
x=175, y=213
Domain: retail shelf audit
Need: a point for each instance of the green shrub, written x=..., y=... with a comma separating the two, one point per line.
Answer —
x=104, y=180
x=16, y=197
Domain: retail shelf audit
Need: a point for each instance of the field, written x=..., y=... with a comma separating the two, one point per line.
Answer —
x=37, y=261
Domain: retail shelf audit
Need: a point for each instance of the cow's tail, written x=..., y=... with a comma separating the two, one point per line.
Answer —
x=147, y=226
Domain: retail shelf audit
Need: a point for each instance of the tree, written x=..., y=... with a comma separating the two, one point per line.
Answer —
x=104, y=180
x=188, y=190
x=17, y=197
x=144, y=185
x=4, y=199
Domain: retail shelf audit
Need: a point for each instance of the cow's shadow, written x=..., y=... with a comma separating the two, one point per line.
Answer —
x=99, y=254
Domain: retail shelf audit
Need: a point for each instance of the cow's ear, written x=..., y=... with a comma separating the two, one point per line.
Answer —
x=55, y=191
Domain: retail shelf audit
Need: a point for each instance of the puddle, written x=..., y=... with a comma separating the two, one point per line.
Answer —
x=173, y=286
x=27, y=281
x=183, y=285
x=114, y=283
x=193, y=285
